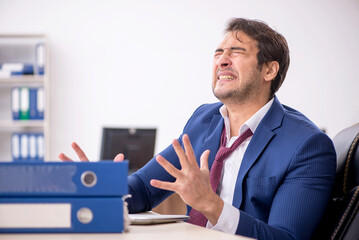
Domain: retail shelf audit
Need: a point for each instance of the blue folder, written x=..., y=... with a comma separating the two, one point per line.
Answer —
x=33, y=103
x=40, y=149
x=27, y=69
x=40, y=104
x=61, y=215
x=62, y=179
x=15, y=103
x=15, y=147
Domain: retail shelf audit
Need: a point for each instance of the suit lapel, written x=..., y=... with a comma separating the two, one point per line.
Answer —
x=262, y=136
x=212, y=141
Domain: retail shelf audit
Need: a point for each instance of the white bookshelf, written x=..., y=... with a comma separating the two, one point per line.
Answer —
x=23, y=80
x=22, y=48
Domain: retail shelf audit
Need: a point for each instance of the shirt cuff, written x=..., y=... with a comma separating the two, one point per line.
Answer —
x=228, y=220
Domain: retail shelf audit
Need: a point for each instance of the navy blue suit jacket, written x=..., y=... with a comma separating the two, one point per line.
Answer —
x=283, y=184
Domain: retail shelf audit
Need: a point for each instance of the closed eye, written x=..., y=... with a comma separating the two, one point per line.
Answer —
x=238, y=49
x=218, y=52
x=233, y=50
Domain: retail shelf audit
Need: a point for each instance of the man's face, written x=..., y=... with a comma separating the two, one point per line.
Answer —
x=236, y=77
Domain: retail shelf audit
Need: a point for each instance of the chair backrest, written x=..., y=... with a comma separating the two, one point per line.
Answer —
x=346, y=146
x=341, y=220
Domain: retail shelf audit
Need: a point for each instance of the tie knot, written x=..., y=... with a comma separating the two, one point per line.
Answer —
x=224, y=152
x=244, y=136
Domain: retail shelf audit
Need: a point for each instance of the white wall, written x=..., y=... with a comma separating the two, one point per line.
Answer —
x=148, y=63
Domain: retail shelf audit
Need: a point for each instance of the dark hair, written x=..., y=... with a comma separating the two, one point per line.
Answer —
x=271, y=44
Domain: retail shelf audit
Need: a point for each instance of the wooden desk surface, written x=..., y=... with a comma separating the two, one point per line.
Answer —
x=170, y=231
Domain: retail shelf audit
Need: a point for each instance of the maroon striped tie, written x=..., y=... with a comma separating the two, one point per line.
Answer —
x=196, y=217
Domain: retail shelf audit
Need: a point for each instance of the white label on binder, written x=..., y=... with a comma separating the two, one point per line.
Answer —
x=40, y=55
x=24, y=100
x=32, y=146
x=24, y=146
x=35, y=215
x=15, y=146
x=40, y=100
x=40, y=146
x=15, y=100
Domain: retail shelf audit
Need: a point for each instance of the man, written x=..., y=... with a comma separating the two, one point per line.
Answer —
x=276, y=168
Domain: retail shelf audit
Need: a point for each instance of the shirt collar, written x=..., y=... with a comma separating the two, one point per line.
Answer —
x=251, y=123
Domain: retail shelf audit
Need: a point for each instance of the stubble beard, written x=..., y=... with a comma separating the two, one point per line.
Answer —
x=240, y=94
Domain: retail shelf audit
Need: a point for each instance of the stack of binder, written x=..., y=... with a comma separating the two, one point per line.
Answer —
x=13, y=69
x=27, y=147
x=8, y=69
x=27, y=103
x=62, y=197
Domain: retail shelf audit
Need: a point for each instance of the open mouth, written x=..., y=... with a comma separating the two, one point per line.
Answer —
x=226, y=77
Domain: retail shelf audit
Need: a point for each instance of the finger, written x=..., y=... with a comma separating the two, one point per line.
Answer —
x=163, y=185
x=64, y=158
x=168, y=166
x=119, y=158
x=189, y=150
x=204, y=160
x=180, y=153
x=79, y=152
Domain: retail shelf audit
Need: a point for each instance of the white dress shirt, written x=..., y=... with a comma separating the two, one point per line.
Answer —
x=229, y=218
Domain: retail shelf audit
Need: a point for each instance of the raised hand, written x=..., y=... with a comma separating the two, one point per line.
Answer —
x=192, y=182
x=82, y=156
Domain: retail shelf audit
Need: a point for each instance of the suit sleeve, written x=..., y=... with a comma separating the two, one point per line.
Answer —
x=301, y=199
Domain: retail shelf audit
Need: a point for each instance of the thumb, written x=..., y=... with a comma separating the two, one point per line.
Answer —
x=119, y=157
x=204, y=160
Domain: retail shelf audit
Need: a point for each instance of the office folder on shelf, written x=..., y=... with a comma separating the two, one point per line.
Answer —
x=32, y=215
x=24, y=147
x=27, y=147
x=28, y=103
x=15, y=103
x=9, y=69
x=40, y=147
x=24, y=103
x=33, y=103
x=15, y=147
x=60, y=179
x=40, y=58
x=40, y=103
x=33, y=156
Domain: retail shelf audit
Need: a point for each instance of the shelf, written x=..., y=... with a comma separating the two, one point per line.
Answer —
x=23, y=79
x=22, y=36
x=23, y=48
x=21, y=124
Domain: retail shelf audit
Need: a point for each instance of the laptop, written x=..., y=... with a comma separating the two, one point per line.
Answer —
x=148, y=218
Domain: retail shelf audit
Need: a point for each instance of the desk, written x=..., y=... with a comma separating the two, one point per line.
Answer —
x=170, y=231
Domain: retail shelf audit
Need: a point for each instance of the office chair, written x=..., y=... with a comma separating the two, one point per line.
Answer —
x=341, y=219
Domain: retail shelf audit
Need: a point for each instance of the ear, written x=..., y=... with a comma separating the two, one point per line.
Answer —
x=271, y=70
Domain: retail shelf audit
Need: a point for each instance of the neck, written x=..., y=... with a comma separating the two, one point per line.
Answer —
x=239, y=113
